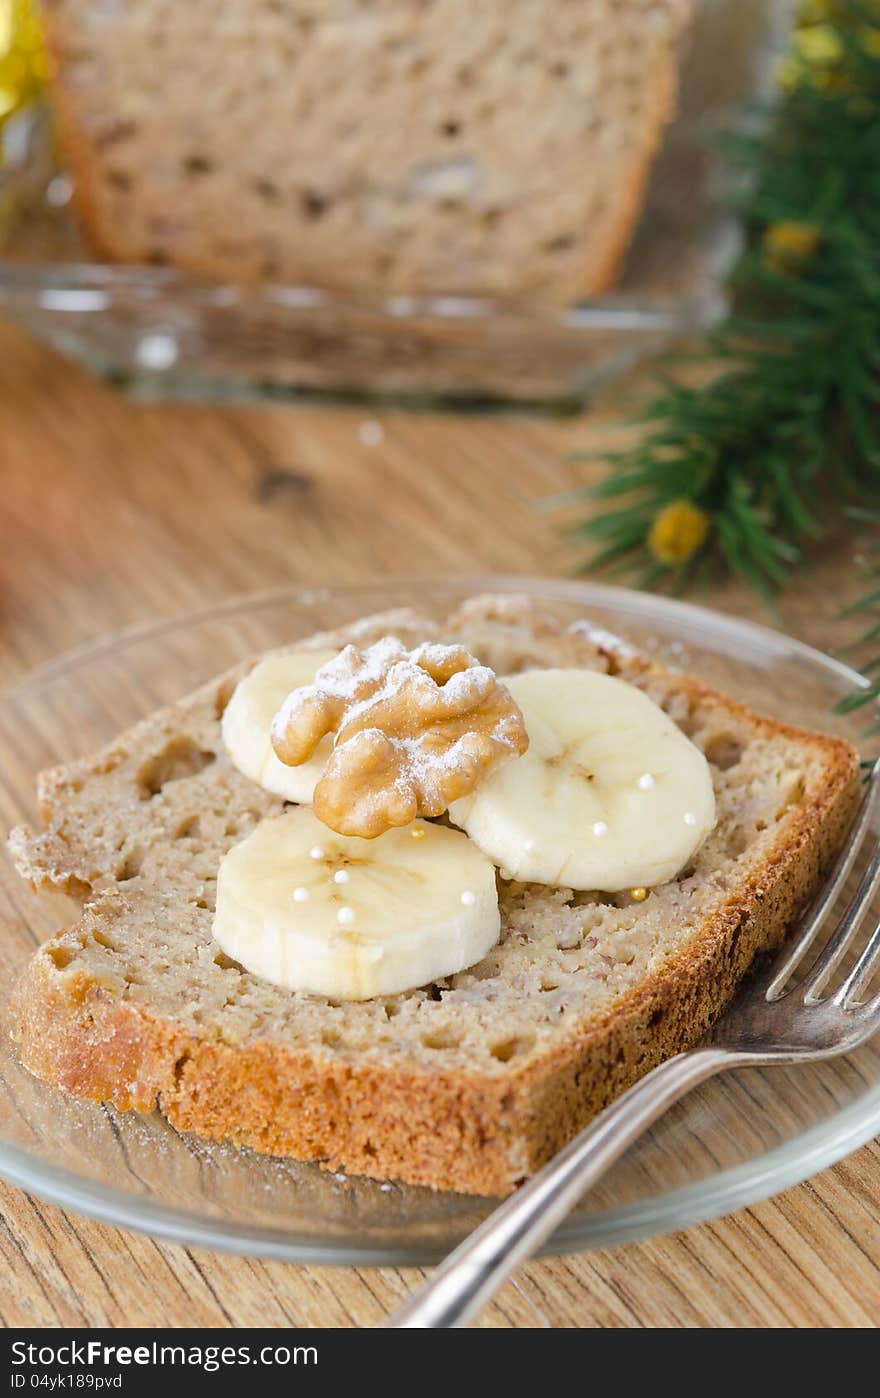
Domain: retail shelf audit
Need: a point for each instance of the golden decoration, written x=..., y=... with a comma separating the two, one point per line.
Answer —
x=22, y=56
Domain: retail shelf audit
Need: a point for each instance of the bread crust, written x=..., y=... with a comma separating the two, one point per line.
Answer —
x=602, y=273
x=479, y=1132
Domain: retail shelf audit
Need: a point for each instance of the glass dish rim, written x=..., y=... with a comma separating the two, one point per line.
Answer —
x=88, y=287
x=737, y=1187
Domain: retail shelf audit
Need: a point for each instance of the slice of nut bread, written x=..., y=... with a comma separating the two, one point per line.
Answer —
x=471, y=1083
x=386, y=146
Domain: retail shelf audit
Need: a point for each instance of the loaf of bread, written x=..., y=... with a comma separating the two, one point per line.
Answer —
x=398, y=146
x=473, y=1082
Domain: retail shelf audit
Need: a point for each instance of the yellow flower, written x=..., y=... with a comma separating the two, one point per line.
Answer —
x=678, y=532
x=788, y=245
x=22, y=58
x=819, y=44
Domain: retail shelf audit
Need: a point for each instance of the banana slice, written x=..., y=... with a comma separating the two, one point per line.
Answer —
x=349, y=918
x=248, y=717
x=610, y=794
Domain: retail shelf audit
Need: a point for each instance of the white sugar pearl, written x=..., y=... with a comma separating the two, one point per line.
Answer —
x=341, y=876
x=372, y=433
x=316, y=852
x=468, y=898
x=690, y=818
x=645, y=782
x=600, y=828
x=300, y=895
x=345, y=917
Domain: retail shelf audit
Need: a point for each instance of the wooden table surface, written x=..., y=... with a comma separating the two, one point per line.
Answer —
x=113, y=513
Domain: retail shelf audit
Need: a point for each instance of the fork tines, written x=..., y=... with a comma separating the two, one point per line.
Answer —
x=844, y=937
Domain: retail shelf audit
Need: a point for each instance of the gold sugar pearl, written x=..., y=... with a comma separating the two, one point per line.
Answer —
x=638, y=895
x=418, y=834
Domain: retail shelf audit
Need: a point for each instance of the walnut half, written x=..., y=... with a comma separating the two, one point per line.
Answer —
x=415, y=730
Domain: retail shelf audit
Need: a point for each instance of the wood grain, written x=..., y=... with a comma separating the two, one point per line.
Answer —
x=111, y=514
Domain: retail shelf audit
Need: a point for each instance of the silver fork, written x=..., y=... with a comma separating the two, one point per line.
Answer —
x=769, y=1023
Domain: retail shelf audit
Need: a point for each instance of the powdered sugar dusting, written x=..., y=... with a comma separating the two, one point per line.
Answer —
x=412, y=731
x=341, y=679
x=603, y=640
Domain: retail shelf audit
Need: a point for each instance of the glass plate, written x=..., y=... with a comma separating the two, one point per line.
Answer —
x=162, y=333
x=737, y=1139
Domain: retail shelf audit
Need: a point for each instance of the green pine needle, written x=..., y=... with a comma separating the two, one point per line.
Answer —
x=785, y=440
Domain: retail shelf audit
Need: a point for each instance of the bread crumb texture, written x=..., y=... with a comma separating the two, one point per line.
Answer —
x=417, y=148
x=470, y=1083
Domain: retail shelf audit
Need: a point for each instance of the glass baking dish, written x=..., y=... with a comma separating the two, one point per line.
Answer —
x=162, y=333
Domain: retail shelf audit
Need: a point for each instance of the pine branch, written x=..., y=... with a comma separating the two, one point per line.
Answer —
x=745, y=470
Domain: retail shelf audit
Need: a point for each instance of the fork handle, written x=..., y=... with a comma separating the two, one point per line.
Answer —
x=462, y=1284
